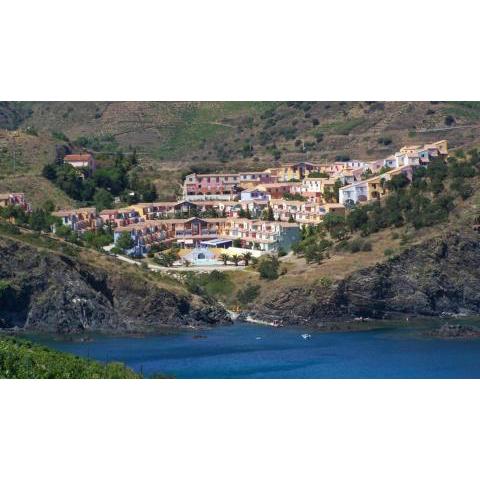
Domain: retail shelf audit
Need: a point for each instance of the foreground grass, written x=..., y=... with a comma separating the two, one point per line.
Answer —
x=23, y=359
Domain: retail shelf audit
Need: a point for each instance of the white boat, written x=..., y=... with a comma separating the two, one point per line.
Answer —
x=306, y=336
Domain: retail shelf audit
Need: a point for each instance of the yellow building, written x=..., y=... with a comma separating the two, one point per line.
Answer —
x=441, y=146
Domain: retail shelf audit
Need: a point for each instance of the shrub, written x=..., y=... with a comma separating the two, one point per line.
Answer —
x=268, y=267
x=248, y=294
x=60, y=136
x=388, y=252
x=124, y=241
x=449, y=120
x=367, y=246
x=31, y=131
x=325, y=282
x=384, y=141
x=355, y=245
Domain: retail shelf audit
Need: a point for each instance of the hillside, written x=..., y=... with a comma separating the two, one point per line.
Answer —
x=50, y=286
x=439, y=277
x=173, y=137
x=23, y=359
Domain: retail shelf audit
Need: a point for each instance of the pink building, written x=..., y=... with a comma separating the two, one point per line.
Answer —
x=14, y=199
x=221, y=185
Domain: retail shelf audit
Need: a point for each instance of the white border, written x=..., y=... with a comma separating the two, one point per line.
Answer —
x=249, y=50
x=239, y=429
x=232, y=50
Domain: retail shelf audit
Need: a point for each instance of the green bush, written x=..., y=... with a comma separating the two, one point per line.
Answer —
x=60, y=136
x=356, y=245
x=268, y=267
x=248, y=294
x=325, y=282
x=124, y=241
x=367, y=246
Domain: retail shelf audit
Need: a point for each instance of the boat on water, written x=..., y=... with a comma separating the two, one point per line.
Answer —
x=306, y=336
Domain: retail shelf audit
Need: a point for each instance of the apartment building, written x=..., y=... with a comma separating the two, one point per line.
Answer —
x=80, y=219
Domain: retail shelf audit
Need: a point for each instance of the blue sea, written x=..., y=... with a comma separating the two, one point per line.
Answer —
x=253, y=351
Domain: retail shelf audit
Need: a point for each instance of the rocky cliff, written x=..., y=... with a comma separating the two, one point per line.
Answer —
x=437, y=277
x=46, y=291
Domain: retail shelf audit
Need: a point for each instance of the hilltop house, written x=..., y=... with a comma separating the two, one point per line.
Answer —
x=81, y=161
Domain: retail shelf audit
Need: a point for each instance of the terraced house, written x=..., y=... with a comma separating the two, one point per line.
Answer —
x=262, y=235
x=120, y=217
x=144, y=236
x=401, y=163
x=293, y=171
x=372, y=188
x=80, y=219
x=186, y=232
x=219, y=186
x=154, y=210
x=302, y=212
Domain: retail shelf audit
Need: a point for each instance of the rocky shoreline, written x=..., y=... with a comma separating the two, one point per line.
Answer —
x=448, y=330
x=440, y=277
x=49, y=292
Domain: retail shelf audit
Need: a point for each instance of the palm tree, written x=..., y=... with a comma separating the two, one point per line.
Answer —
x=246, y=257
x=224, y=258
x=235, y=259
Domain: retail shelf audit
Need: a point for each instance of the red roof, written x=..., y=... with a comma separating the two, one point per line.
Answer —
x=77, y=157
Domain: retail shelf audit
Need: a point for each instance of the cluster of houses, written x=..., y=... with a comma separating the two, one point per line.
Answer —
x=261, y=211
x=267, y=236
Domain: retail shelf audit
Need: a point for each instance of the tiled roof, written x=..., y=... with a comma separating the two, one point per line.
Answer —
x=78, y=157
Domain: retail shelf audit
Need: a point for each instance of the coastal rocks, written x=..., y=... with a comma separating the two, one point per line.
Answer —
x=448, y=330
x=50, y=292
x=440, y=275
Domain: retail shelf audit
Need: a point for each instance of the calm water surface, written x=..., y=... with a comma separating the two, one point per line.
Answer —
x=253, y=351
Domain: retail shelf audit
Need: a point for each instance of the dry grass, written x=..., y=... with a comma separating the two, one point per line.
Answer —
x=37, y=190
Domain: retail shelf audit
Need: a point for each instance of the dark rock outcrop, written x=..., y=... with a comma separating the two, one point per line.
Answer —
x=439, y=276
x=448, y=330
x=44, y=291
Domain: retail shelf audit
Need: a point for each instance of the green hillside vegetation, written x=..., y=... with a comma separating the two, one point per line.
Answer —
x=172, y=138
x=20, y=358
